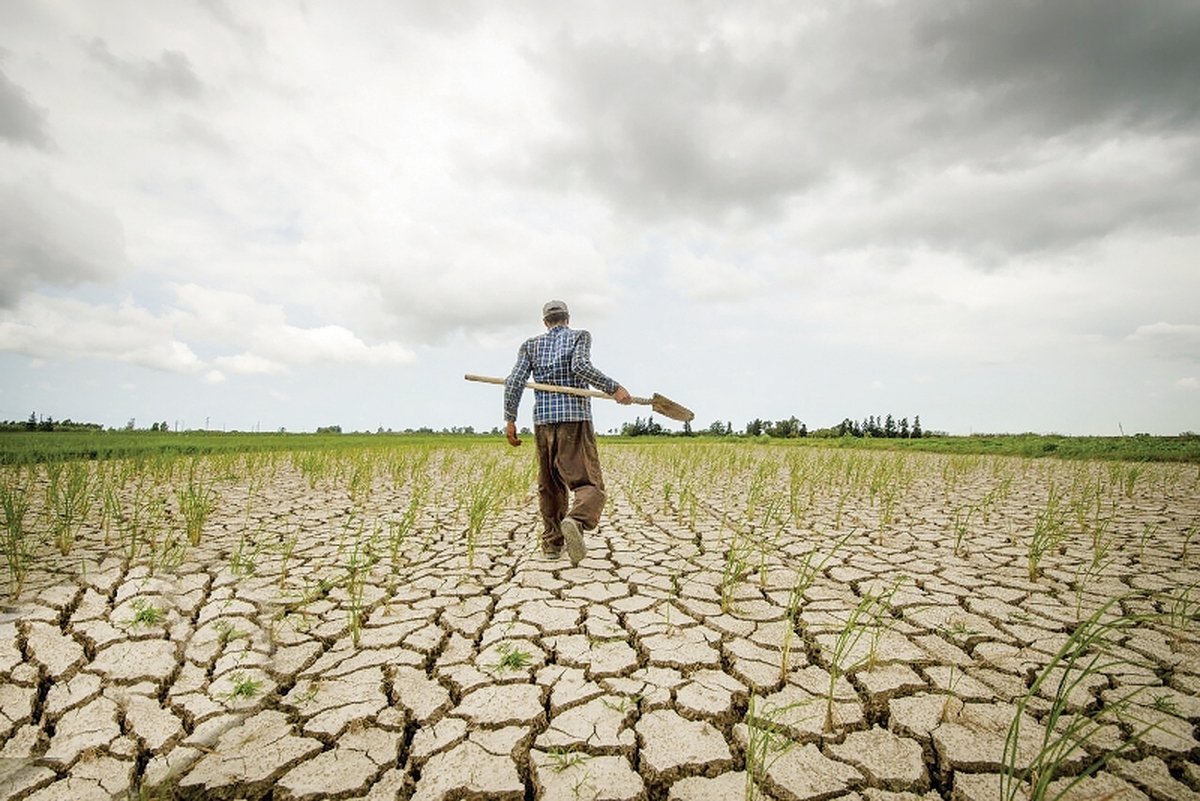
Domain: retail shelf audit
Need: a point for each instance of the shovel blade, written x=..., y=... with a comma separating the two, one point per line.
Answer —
x=669, y=408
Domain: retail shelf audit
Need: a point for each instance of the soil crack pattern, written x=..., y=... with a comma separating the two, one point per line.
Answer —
x=755, y=622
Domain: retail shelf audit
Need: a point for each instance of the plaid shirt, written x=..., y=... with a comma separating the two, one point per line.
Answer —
x=560, y=356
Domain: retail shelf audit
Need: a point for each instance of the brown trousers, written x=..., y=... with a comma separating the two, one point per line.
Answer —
x=568, y=462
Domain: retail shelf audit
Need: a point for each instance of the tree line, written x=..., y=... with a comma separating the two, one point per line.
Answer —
x=878, y=427
x=38, y=422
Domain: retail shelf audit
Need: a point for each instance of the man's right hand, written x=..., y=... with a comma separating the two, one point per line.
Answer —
x=510, y=431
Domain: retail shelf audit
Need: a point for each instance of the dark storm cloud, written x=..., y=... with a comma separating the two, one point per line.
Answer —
x=49, y=238
x=1071, y=64
x=171, y=74
x=657, y=129
x=692, y=120
x=21, y=121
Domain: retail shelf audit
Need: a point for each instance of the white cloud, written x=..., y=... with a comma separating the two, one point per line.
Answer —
x=249, y=364
x=21, y=121
x=327, y=344
x=50, y=237
x=708, y=278
x=271, y=343
x=1168, y=340
x=48, y=328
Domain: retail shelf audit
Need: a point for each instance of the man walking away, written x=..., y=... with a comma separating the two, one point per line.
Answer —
x=562, y=426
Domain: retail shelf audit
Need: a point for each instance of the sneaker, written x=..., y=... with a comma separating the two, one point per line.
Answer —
x=574, y=539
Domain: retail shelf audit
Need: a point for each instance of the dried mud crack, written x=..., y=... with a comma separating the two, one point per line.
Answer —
x=748, y=622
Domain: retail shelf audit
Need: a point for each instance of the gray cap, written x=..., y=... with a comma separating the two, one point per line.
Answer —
x=554, y=307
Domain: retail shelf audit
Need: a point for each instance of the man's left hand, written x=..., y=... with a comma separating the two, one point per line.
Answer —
x=622, y=396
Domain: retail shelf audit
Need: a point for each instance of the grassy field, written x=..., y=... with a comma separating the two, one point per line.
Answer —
x=34, y=447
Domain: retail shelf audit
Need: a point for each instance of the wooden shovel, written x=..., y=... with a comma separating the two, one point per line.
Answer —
x=664, y=406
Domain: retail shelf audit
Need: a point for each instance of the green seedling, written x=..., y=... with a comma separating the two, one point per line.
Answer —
x=1132, y=473
x=1165, y=703
x=197, y=499
x=957, y=629
x=1181, y=610
x=70, y=497
x=736, y=567
x=1091, y=650
x=770, y=529
x=314, y=688
x=146, y=614
x=286, y=548
x=563, y=759
x=358, y=567
x=398, y=530
x=362, y=478
x=868, y=616
x=511, y=658
x=1149, y=530
x=227, y=632
x=140, y=522
x=843, y=498
x=956, y=675
x=580, y=784
x=806, y=574
x=962, y=527
x=482, y=503
x=313, y=465
x=244, y=559
x=1049, y=531
x=243, y=686
x=765, y=743
x=19, y=543
x=166, y=555
x=624, y=705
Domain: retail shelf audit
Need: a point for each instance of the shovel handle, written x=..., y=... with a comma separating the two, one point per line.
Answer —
x=587, y=393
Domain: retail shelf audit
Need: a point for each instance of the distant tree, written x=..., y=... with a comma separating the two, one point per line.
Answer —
x=904, y=432
x=638, y=428
x=916, y=429
x=717, y=429
x=754, y=428
x=784, y=429
x=31, y=424
x=889, y=427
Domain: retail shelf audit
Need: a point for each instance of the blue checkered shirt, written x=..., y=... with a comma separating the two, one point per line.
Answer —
x=560, y=356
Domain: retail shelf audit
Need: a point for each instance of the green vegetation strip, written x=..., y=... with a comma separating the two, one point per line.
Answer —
x=1137, y=448
x=34, y=447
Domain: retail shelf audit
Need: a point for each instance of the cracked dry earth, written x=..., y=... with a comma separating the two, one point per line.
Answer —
x=301, y=650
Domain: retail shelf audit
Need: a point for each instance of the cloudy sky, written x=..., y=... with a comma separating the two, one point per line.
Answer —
x=306, y=213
